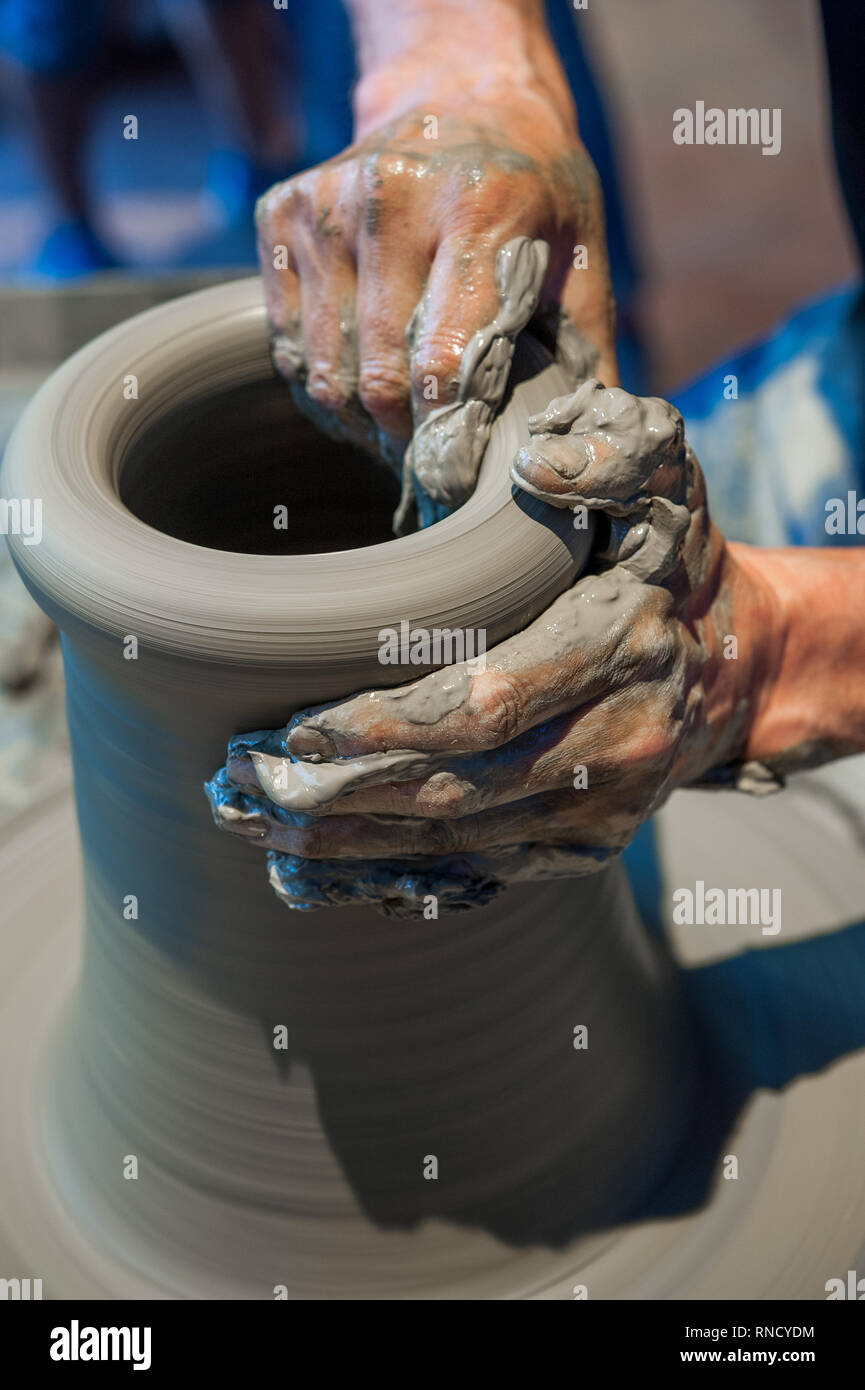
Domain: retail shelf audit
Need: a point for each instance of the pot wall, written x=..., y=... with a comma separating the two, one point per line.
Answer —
x=451, y=1040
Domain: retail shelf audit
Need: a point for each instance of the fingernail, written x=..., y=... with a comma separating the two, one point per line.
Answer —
x=248, y=825
x=557, y=459
x=261, y=741
x=288, y=358
x=307, y=742
x=569, y=455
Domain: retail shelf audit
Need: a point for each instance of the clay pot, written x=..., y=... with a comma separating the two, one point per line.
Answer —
x=308, y=1165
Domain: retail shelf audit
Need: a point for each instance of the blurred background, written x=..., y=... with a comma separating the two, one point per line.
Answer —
x=135, y=136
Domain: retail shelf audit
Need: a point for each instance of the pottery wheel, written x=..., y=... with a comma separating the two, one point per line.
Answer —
x=793, y=1218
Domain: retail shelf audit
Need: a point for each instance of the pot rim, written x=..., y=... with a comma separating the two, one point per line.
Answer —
x=497, y=561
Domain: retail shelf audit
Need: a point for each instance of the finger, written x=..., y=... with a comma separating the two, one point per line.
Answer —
x=395, y=242
x=587, y=298
x=608, y=450
x=305, y=249
x=274, y=218
x=580, y=647
x=587, y=643
x=285, y=321
x=604, y=443
x=328, y=293
x=390, y=284
x=424, y=887
x=466, y=376
x=397, y=889
x=460, y=297
x=609, y=754
x=551, y=817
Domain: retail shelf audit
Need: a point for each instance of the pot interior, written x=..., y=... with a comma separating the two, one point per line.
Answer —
x=243, y=470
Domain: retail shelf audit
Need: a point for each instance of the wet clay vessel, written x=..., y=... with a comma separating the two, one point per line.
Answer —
x=283, y=1080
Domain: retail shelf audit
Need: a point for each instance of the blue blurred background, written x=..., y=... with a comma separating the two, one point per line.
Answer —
x=708, y=248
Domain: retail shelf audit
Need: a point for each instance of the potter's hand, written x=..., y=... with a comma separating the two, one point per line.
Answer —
x=546, y=762
x=393, y=306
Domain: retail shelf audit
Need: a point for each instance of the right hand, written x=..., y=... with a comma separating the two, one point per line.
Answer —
x=389, y=263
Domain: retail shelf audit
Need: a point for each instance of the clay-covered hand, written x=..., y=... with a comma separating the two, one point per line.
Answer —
x=647, y=674
x=398, y=274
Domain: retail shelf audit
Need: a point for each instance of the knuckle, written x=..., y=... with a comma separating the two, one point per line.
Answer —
x=279, y=203
x=383, y=388
x=442, y=837
x=295, y=203
x=496, y=710
x=287, y=353
x=658, y=641
x=267, y=206
x=439, y=358
x=645, y=753
x=311, y=842
x=381, y=169
x=658, y=751
x=446, y=797
x=327, y=390
x=488, y=210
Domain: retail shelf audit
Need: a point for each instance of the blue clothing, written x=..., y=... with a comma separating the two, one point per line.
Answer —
x=52, y=36
x=793, y=436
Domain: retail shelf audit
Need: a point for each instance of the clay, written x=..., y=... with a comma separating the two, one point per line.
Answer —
x=293, y=769
x=739, y=1242
x=282, y=1078
x=649, y=546
x=451, y=883
x=309, y=783
x=446, y=449
x=302, y=771
x=308, y=786
x=765, y=778
x=440, y=466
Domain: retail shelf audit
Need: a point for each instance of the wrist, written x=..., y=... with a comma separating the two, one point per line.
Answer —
x=809, y=696
x=453, y=55
x=743, y=635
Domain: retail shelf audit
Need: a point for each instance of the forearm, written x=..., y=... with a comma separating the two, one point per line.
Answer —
x=410, y=50
x=812, y=707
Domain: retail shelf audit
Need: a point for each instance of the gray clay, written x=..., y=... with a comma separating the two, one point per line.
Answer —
x=284, y=1078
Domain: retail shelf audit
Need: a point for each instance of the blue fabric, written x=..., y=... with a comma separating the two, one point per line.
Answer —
x=325, y=71
x=52, y=36
x=794, y=435
x=643, y=867
x=793, y=438
x=69, y=250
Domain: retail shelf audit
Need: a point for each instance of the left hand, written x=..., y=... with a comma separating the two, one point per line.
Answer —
x=580, y=726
